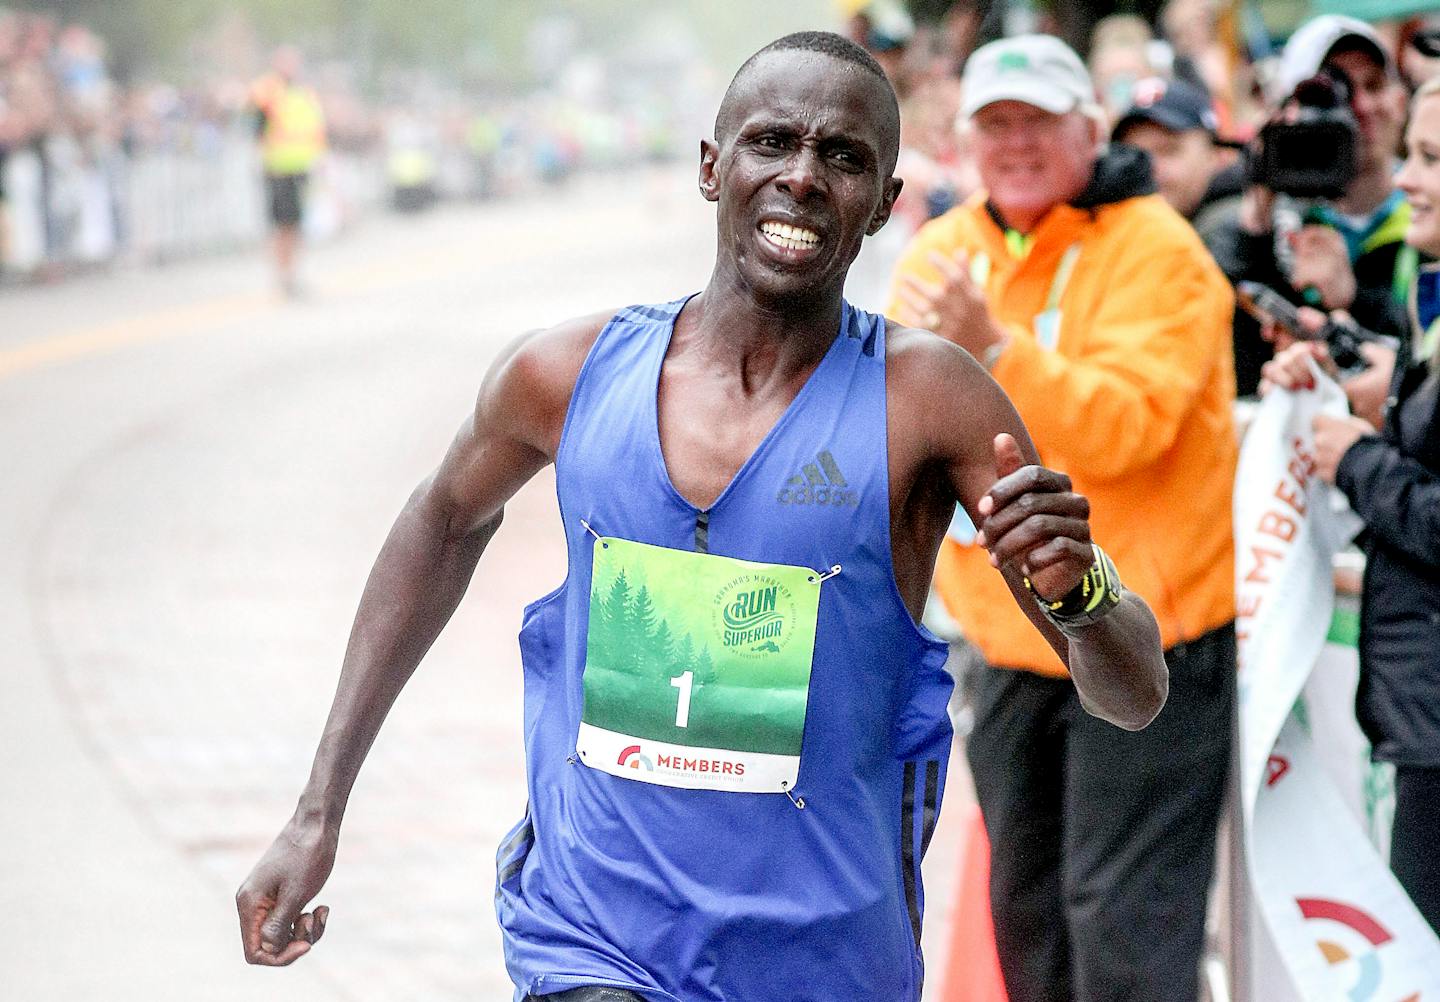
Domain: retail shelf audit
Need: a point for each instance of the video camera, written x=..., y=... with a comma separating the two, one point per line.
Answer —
x=1314, y=151
x=1342, y=338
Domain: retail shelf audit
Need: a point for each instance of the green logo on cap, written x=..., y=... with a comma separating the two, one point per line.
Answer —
x=1013, y=61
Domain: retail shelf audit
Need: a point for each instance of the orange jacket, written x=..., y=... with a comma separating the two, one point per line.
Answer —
x=1132, y=398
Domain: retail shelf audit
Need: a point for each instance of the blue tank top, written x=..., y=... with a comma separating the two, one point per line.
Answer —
x=702, y=895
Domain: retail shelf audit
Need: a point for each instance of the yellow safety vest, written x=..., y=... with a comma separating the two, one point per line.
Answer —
x=294, y=131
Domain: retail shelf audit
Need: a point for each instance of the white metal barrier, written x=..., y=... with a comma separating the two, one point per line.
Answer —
x=67, y=206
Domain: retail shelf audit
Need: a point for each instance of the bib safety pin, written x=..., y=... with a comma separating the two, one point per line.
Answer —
x=799, y=802
x=834, y=570
x=588, y=528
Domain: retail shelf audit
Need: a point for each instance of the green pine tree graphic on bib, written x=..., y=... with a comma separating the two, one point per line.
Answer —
x=697, y=668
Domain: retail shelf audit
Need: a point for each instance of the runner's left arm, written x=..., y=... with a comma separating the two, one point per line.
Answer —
x=1035, y=526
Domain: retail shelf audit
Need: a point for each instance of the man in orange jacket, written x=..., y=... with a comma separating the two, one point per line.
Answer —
x=1098, y=310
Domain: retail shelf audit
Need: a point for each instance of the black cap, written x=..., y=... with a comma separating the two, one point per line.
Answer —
x=1171, y=104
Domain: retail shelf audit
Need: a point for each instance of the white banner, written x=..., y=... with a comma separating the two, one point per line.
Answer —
x=1330, y=921
x=1327, y=708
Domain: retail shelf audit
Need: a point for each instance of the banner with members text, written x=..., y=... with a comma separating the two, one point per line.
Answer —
x=1330, y=921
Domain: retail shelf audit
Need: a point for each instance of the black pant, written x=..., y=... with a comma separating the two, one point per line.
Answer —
x=1103, y=839
x=588, y=994
x=1413, y=857
x=287, y=198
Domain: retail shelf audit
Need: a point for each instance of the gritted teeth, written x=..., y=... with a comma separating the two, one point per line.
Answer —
x=790, y=237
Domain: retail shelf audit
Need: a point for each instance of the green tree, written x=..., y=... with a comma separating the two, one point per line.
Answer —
x=705, y=672
x=642, y=614
x=684, y=659
x=606, y=640
x=615, y=606
x=641, y=634
x=662, y=649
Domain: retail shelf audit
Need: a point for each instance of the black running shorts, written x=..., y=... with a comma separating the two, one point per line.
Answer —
x=287, y=192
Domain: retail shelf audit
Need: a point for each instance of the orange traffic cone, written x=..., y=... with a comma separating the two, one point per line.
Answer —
x=973, y=971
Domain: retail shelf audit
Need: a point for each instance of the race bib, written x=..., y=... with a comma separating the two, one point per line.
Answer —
x=697, y=668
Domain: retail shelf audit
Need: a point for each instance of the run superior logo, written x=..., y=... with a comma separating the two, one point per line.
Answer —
x=754, y=615
x=819, y=483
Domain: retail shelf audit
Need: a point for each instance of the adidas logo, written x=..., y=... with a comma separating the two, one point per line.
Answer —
x=819, y=483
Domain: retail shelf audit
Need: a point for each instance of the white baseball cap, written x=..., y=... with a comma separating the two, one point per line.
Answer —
x=1039, y=70
x=1313, y=42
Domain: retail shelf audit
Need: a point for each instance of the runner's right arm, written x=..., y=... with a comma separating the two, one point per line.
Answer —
x=418, y=579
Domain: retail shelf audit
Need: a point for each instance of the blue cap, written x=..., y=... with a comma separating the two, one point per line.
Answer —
x=1173, y=105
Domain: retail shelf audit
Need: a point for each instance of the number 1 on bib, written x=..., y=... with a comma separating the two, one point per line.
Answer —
x=682, y=711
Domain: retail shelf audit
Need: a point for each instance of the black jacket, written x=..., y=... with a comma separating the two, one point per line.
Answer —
x=1221, y=202
x=1393, y=483
x=1121, y=172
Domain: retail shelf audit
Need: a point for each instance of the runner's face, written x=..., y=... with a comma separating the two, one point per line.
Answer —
x=803, y=173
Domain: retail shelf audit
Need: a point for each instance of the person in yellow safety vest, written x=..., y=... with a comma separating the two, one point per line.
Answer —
x=291, y=126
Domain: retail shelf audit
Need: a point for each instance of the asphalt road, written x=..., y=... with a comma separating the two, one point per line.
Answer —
x=196, y=477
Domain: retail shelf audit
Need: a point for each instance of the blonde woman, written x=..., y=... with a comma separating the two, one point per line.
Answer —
x=1392, y=478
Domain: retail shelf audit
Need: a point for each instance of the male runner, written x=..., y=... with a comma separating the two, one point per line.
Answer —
x=736, y=733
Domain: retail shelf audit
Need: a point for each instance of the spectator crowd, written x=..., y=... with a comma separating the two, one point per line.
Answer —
x=1193, y=90
x=95, y=169
x=1137, y=246
x=60, y=136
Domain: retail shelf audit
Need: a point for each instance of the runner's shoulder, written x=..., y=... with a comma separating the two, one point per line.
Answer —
x=532, y=379
x=939, y=398
x=918, y=361
x=547, y=360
